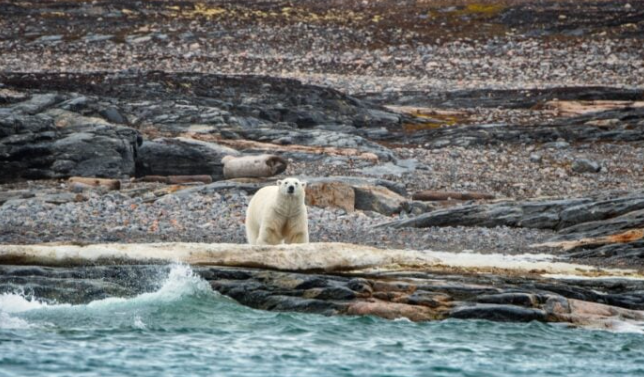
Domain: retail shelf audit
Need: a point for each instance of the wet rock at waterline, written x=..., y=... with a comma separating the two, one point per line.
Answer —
x=418, y=294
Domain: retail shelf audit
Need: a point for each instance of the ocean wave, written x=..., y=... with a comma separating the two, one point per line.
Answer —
x=18, y=303
x=181, y=282
x=13, y=303
x=8, y=322
x=17, y=308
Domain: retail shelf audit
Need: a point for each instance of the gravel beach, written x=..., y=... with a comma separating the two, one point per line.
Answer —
x=219, y=218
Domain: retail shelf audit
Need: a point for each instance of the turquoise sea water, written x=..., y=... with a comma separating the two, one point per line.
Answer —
x=185, y=329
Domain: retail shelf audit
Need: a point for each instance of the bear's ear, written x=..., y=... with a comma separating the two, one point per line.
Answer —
x=279, y=182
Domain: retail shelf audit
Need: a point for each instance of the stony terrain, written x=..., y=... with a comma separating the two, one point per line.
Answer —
x=354, y=45
x=119, y=126
x=523, y=120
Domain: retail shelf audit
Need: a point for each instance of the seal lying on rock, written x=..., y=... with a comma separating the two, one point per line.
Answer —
x=278, y=214
x=264, y=165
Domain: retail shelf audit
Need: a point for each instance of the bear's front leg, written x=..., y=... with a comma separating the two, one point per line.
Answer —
x=297, y=230
x=268, y=236
x=299, y=237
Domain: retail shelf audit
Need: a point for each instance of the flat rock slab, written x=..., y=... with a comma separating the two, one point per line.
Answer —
x=312, y=257
x=306, y=257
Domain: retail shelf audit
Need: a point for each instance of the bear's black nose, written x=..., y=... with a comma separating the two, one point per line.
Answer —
x=291, y=189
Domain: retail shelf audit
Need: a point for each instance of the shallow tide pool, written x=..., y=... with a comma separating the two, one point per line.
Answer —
x=184, y=328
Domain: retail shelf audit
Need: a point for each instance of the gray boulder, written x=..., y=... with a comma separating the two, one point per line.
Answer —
x=585, y=166
x=60, y=144
x=182, y=156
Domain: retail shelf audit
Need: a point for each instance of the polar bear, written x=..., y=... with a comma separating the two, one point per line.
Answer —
x=278, y=214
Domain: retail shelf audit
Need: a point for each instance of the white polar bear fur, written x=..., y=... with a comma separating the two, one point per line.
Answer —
x=275, y=216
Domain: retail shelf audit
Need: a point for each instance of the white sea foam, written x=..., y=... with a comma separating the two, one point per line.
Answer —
x=17, y=303
x=138, y=323
x=8, y=322
x=627, y=327
x=181, y=282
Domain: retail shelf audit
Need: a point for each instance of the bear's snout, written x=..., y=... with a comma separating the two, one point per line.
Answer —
x=291, y=189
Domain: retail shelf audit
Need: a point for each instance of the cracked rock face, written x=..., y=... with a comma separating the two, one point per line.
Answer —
x=48, y=146
x=61, y=125
x=604, y=226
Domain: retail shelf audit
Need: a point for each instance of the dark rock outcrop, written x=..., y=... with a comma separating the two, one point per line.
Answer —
x=622, y=125
x=561, y=214
x=509, y=98
x=419, y=296
x=182, y=156
x=56, y=145
x=262, y=109
x=601, y=226
x=176, y=101
x=603, y=123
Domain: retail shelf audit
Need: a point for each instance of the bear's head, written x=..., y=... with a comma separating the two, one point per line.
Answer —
x=292, y=187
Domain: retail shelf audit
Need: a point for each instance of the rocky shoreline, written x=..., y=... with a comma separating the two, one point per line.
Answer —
x=335, y=279
x=513, y=128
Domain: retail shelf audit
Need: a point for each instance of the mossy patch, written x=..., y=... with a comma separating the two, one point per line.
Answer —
x=484, y=9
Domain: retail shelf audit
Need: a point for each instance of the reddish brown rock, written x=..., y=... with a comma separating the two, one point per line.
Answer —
x=110, y=184
x=390, y=310
x=331, y=194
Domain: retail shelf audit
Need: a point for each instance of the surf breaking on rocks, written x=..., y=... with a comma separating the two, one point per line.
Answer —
x=181, y=282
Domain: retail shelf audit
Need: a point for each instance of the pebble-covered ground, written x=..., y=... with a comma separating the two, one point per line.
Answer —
x=505, y=171
x=508, y=171
x=219, y=217
x=355, y=46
